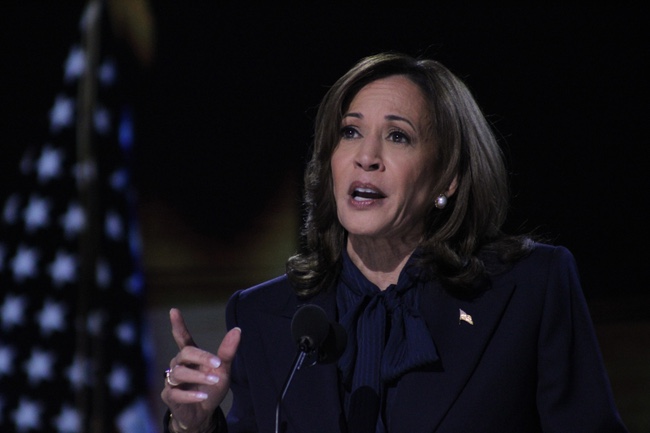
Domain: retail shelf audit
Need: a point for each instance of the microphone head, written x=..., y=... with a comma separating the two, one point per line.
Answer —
x=309, y=327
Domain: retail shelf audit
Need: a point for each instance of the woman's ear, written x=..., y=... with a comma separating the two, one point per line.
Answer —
x=451, y=190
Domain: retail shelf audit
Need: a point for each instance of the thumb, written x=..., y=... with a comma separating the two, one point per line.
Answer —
x=229, y=345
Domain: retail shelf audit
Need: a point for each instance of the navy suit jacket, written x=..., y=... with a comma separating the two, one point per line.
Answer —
x=530, y=361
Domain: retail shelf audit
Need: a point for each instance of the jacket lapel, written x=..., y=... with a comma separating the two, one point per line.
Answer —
x=460, y=346
x=313, y=386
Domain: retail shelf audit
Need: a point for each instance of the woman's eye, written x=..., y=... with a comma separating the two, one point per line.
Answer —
x=399, y=137
x=348, y=132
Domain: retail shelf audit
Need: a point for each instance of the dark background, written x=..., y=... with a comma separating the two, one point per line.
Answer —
x=227, y=107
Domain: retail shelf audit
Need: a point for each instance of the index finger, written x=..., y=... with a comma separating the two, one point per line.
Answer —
x=179, y=330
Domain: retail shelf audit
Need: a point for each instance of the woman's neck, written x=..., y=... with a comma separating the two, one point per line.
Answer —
x=379, y=260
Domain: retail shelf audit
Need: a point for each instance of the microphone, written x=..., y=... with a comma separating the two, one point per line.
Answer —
x=314, y=334
x=309, y=327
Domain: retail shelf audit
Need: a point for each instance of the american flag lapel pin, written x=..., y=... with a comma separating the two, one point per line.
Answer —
x=464, y=317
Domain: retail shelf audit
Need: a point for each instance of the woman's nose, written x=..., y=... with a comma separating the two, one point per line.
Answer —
x=369, y=156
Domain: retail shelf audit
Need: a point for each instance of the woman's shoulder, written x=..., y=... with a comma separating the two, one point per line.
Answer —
x=547, y=253
x=544, y=260
x=271, y=294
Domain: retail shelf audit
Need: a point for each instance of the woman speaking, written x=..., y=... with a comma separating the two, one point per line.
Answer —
x=451, y=324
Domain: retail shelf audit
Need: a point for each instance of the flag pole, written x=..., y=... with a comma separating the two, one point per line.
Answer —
x=89, y=347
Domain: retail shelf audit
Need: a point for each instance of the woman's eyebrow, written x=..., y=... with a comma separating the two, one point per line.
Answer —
x=392, y=117
x=400, y=118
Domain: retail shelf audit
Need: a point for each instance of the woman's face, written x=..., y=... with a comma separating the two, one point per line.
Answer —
x=382, y=165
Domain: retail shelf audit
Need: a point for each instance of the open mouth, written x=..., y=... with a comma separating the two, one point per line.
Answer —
x=363, y=194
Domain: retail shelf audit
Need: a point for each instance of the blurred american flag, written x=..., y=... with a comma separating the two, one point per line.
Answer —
x=73, y=346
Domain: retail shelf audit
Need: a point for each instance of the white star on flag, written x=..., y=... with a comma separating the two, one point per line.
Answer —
x=51, y=317
x=75, y=64
x=114, y=226
x=27, y=415
x=78, y=373
x=74, y=220
x=62, y=113
x=7, y=355
x=39, y=366
x=119, y=380
x=107, y=72
x=134, y=417
x=126, y=332
x=13, y=311
x=68, y=420
x=48, y=165
x=63, y=269
x=36, y=213
x=24, y=263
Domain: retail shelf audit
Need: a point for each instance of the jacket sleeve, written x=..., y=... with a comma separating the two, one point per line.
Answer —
x=221, y=426
x=241, y=417
x=573, y=392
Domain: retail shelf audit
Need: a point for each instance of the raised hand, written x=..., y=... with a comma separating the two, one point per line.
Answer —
x=197, y=381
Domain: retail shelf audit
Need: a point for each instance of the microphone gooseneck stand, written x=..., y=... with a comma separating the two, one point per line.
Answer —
x=309, y=327
x=297, y=363
x=315, y=336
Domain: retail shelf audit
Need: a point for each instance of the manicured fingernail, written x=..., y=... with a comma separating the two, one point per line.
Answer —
x=211, y=378
x=201, y=395
x=216, y=362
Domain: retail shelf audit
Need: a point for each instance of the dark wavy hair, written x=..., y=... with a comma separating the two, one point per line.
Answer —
x=456, y=238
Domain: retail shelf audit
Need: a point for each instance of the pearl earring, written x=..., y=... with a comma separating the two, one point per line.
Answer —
x=441, y=201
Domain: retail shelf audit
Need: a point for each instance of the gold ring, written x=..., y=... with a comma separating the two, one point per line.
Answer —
x=168, y=378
